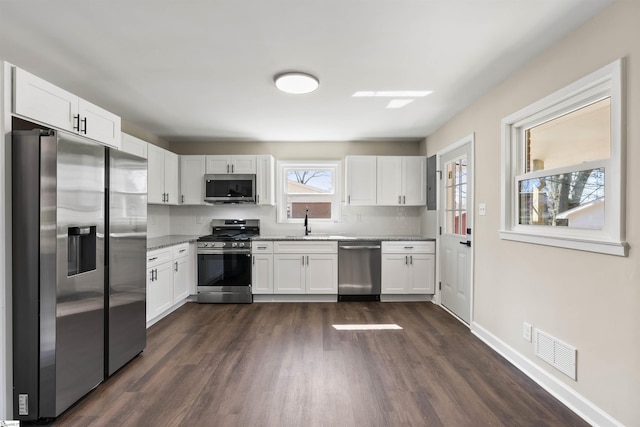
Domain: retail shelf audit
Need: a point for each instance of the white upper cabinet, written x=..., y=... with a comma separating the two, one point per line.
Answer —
x=162, y=176
x=401, y=180
x=265, y=180
x=133, y=145
x=231, y=164
x=414, y=180
x=44, y=102
x=360, y=182
x=192, y=170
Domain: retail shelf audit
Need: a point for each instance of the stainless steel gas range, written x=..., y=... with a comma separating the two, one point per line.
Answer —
x=224, y=261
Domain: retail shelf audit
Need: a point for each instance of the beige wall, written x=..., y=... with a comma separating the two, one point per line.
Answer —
x=138, y=132
x=335, y=150
x=587, y=300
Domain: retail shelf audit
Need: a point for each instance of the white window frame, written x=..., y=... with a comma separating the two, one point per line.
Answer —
x=334, y=165
x=605, y=82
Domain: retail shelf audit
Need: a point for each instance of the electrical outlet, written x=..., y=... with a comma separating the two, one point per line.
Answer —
x=526, y=331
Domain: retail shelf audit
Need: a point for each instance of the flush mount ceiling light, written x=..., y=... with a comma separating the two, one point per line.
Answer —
x=296, y=82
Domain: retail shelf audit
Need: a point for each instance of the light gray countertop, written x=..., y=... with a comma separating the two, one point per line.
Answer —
x=165, y=241
x=342, y=237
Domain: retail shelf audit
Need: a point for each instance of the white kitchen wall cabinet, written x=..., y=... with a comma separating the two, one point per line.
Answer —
x=408, y=267
x=37, y=99
x=303, y=267
x=192, y=170
x=231, y=164
x=162, y=176
x=265, y=180
x=401, y=180
x=262, y=267
x=360, y=180
x=133, y=145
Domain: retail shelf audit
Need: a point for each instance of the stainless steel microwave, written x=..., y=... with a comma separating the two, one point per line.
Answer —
x=230, y=188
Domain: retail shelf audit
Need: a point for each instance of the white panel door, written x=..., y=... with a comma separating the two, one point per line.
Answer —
x=155, y=174
x=422, y=272
x=192, y=180
x=361, y=180
x=218, y=164
x=389, y=180
x=262, y=274
x=44, y=102
x=395, y=273
x=181, y=277
x=321, y=273
x=243, y=164
x=414, y=180
x=456, y=210
x=171, y=177
x=265, y=180
x=99, y=124
x=288, y=274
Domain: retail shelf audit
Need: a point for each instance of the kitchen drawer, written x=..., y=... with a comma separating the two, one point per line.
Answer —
x=404, y=247
x=300, y=247
x=158, y=256
x=180, y=251
x=261, y=247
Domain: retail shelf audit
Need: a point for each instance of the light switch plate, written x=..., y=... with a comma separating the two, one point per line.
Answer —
x=482, y=209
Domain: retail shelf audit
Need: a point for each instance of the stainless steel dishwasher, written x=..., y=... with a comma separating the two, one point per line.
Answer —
x=359, y=270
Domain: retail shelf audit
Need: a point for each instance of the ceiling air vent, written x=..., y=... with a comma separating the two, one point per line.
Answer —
x=556, y=353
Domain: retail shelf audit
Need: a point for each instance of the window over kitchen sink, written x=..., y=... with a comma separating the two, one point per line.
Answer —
x=308, y=185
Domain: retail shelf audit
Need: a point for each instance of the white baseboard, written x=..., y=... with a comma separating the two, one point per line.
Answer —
x=565, y=394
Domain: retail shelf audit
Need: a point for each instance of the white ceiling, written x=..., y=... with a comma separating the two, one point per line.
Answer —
x=203, y=70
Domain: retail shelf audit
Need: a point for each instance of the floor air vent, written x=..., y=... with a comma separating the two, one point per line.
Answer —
x=558, y=354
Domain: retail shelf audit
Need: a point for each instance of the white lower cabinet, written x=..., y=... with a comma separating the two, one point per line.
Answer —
x=170, y=279
x=305, y=267
x=262, y=267
x=182, y=272
x=159, y=282
x=408, y=267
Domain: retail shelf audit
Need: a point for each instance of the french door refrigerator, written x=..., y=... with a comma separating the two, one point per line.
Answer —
x=62, y=313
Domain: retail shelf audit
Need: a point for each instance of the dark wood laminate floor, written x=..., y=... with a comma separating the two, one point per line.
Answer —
x=273, y=364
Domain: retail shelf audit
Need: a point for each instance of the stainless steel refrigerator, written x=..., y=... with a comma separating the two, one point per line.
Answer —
x=127, y=249
x=62, y=302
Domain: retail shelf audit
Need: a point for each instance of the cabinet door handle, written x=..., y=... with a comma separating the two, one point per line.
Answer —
x=399, y=200
x=253, y=260
x=227, y=168
x=404, y=200
x=232, y=168
x=151, y=278
x=411, y=259
x=182, y=250
x=76, y=122
x=153, y=258
x=307, y=259
x=408, y=247
x=257, y=198
x=302, y=259
x=406, y=260
x=349, y=199
x=183, y=198
x=176, y=266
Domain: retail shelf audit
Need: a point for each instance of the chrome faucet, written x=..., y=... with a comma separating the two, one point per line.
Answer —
x=307, y=229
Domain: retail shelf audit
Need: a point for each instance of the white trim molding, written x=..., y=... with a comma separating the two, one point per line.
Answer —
x=584, y=408
x=605, y=82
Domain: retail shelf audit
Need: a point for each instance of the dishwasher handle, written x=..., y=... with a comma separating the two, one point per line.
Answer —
x=359, y=247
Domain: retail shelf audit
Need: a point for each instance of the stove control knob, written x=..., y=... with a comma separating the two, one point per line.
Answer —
x=234, y=245
x=223, y=244
x=241, y=244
